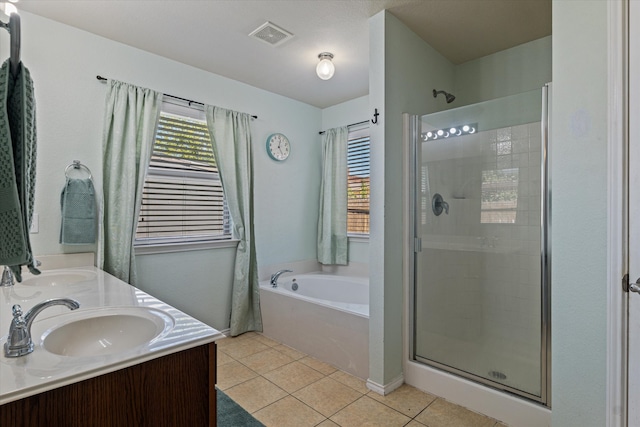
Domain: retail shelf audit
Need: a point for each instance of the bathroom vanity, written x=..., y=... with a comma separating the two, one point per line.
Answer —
x=124, y=358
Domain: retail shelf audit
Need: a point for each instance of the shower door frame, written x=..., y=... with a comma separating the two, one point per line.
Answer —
x=412, y=124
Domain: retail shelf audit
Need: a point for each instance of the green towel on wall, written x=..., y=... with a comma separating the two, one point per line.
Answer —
x=78, y=203
x=17, y=168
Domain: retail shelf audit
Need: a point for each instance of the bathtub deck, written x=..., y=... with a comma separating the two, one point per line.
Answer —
x=284, y=387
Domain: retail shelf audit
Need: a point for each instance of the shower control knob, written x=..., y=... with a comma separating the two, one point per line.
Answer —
x=438, y=205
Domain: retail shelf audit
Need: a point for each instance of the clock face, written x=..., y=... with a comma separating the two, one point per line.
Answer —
x=278, y=146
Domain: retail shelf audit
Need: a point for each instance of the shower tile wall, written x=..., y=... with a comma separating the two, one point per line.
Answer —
x=481, y=302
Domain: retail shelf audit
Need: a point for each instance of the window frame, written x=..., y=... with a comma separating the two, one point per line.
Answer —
x=359, y=132
x=148, y=245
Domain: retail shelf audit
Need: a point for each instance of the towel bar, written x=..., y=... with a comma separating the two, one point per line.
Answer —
x=77, y=165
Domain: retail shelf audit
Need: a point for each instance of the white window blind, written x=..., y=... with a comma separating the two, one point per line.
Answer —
x=358, y=182
x=182, y=198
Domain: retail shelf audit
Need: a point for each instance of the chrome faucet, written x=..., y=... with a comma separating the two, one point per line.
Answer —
x=7, y=277
x=19, y=340
x=274, y=277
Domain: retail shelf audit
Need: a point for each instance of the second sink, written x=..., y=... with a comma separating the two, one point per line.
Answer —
x=59, y=277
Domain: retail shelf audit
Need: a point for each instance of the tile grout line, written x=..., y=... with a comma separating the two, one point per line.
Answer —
x=324, y=376
x=254, y=340
x=287, y=393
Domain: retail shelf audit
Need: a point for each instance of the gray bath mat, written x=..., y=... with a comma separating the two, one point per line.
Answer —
x=230, y=414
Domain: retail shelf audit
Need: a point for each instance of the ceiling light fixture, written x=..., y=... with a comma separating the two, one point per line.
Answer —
x=450, y=132
x=325, y=68
x=9, y=8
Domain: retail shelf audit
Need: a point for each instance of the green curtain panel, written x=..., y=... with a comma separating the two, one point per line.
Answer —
x=332, y=218
x=131, y=117
x=230, y=133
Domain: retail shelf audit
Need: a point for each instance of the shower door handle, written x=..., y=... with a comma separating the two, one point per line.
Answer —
x=630, y=287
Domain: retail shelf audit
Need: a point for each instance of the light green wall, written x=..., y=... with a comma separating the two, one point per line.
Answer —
x=196, y=282
x=64, y=62
x=403, y=71
x=509, y=72
x=346, y=113
x=579, y=216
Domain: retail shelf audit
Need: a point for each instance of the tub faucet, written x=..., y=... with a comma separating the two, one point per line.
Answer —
x=7, y=277
x=19, y=340
x=274, y=277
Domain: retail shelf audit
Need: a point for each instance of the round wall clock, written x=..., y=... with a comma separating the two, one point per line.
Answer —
x=278, y=147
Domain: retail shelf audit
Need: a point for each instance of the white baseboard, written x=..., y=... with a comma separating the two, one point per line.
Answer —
x=387, y=388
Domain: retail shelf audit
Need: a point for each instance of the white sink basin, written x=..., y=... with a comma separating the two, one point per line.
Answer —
x=104, y=331
x=59, y=277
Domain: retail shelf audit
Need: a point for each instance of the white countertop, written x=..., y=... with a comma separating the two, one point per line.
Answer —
x=42, y=370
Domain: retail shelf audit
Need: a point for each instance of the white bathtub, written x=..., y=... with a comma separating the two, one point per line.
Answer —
x=327, y=317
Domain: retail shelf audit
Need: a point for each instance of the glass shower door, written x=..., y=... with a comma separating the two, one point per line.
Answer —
x=478, y=296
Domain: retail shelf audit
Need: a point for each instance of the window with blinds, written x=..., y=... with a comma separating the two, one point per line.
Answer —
x=358, y=182
x=182, y=198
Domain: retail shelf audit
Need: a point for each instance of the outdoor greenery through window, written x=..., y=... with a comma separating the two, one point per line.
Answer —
x=358, y=182
x=499, y=201
x=182, y=198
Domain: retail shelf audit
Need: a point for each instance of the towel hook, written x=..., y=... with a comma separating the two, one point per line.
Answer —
x=13, y=27
x=77, y=165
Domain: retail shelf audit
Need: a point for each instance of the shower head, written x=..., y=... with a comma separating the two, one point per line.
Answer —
x=449, y=97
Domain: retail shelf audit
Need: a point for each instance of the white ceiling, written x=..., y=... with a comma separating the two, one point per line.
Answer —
x=213, y=34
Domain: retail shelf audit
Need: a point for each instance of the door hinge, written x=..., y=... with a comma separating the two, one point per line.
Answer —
x=417, y=244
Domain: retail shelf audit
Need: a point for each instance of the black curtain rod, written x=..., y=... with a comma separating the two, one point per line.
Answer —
x=352, y=124
x=104, y=79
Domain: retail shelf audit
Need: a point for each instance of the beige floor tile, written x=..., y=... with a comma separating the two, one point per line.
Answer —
x=265, y=361
x=406, y=399
x=243, y=348
x=292, y=353
x=266, y=341
x=327, y=396
x=255, y=394
x=229, y=339
x=223, y=358
x=249, y=334
x=368, y=412
x=319, y=366
x=293, y=377
x=224, y=341
x=233, y=373
x=445, y=414
x=500, y=425
x=349, y=380
x=328, y=423
x=414, y=423
x=288, y=412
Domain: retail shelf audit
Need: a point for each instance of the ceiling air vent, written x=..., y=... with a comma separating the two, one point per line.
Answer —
x=271, y=34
